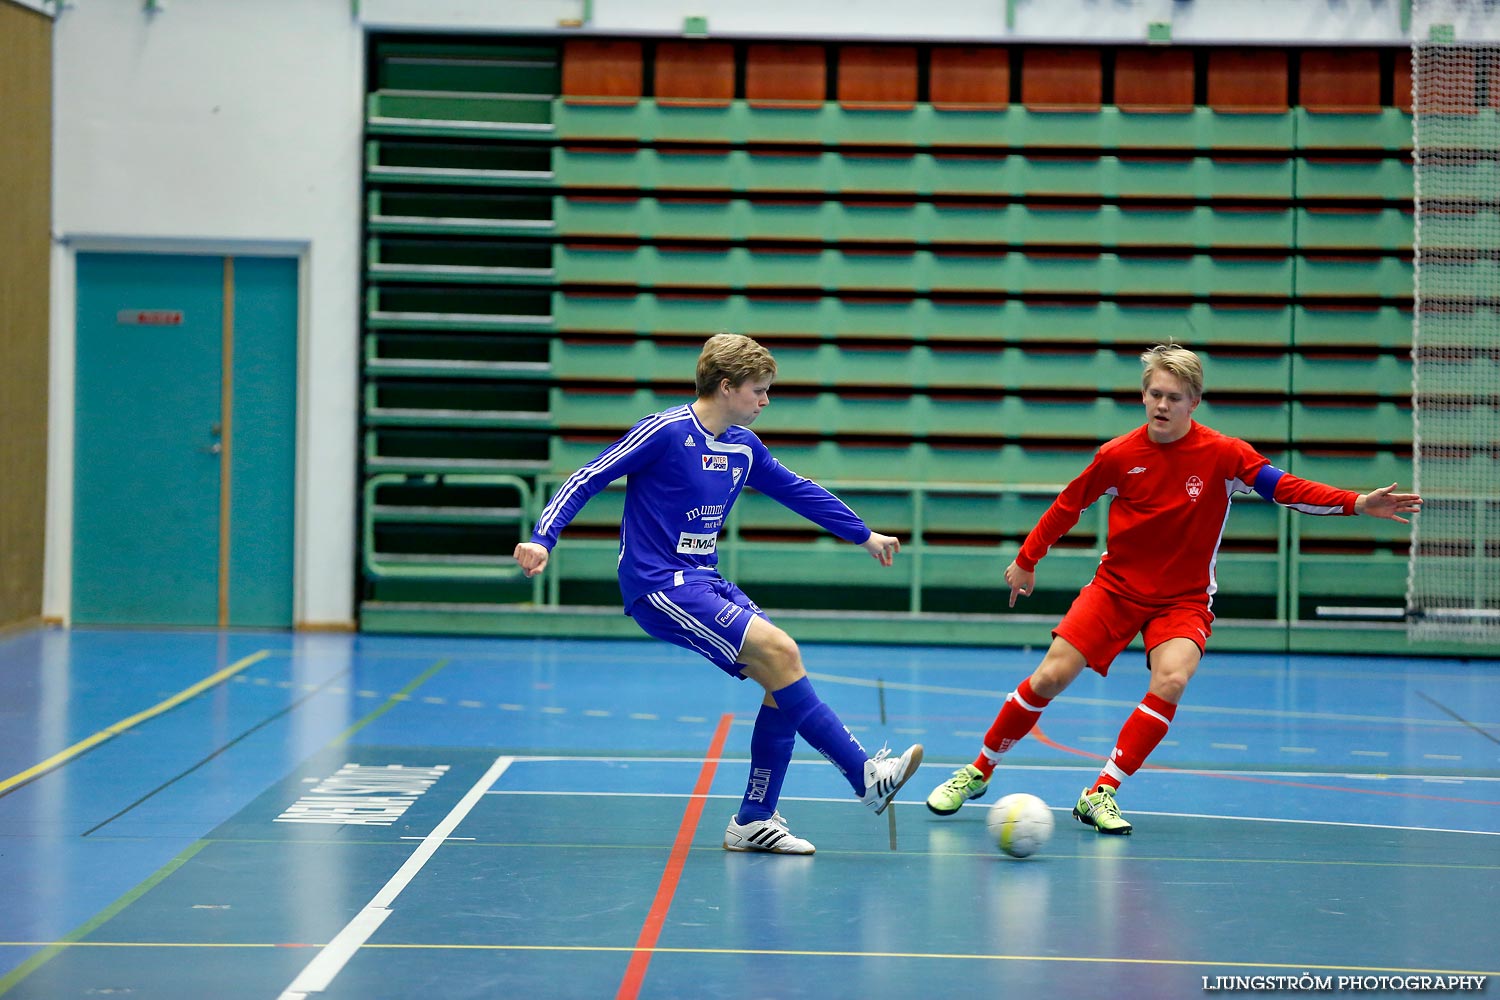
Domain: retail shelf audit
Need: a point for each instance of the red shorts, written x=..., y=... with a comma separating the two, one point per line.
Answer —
x=1100, y=624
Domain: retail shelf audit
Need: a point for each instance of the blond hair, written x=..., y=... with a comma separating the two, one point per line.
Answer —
x=1177, y=361
x=733, y=356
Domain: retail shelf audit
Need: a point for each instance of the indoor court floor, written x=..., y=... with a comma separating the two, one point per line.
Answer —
x=278, y=816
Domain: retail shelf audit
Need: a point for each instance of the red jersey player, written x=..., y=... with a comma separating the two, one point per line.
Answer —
x=1171, y=482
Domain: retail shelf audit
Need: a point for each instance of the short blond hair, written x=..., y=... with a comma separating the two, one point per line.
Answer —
x=733, y=356
x=1174, y=360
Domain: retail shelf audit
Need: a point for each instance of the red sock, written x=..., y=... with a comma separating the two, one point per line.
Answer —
x=1019, y=713
x=1141, y=733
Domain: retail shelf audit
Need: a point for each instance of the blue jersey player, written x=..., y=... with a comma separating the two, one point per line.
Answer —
x=686, y=465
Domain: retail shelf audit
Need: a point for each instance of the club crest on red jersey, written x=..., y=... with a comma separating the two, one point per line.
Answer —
x=1194, y=487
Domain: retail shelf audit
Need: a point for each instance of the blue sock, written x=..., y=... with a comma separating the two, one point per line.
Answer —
x=771, y=744
x=816, y=723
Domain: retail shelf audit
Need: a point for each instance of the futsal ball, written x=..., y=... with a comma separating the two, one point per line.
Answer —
x=1020, y=823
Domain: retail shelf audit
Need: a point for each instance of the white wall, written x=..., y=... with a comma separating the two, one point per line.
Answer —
x=223, y=126
x=1191, y=21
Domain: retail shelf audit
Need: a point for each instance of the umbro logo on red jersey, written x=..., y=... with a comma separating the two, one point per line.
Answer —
x=1138, y=468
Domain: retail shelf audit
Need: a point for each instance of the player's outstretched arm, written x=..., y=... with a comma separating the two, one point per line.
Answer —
x=1384, y=503
x=532, y=557
x=882, y=547
x=1021, y=581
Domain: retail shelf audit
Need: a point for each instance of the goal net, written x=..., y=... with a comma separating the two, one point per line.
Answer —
x=1453, y=579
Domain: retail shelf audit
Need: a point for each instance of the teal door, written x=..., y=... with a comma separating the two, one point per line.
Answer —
x=184, y=440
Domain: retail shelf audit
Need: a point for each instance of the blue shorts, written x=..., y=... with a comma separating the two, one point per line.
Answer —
x=710, y=617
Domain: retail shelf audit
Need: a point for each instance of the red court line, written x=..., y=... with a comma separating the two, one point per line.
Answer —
x=645, y=945
x=1037, y=732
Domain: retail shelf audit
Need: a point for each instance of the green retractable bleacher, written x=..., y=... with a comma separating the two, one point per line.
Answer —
x=956, y=284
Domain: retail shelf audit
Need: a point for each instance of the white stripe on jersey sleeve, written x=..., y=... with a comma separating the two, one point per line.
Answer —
x=634, y=439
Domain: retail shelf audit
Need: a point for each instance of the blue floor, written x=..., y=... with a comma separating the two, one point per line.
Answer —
x=524, y=824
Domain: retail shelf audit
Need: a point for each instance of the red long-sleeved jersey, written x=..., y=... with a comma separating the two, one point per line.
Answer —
x=1170, y=505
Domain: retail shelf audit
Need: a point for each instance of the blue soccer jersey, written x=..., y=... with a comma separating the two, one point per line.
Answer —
x=682, y=482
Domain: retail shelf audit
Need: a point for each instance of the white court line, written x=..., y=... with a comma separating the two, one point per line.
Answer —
x=985, y=805
x=1179, y=773
x=336, y=953
x=1094, y=768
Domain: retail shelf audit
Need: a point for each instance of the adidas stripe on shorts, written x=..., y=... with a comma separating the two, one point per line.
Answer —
x=710, y=617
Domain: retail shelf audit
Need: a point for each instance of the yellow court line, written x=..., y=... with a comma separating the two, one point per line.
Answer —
x=62, y=757
x=783, y=953
x=1084, y=959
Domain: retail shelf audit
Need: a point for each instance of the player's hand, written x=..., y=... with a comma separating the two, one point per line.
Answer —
x=1384, y=503
x=1021, y=581
x=882, y=547
x=532, y=557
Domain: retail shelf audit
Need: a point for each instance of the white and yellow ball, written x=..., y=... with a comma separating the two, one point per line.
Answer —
x=1021, y=824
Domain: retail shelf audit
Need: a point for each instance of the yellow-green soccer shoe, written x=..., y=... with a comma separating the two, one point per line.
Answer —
x=1098, y=810
x=967, y=783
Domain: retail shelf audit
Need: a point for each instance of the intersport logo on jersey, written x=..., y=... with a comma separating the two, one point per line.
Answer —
x=715, y=463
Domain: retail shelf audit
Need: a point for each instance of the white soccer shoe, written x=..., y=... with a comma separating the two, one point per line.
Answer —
x=768, y=835
x=884, y=775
